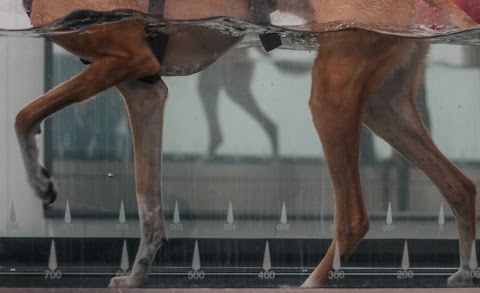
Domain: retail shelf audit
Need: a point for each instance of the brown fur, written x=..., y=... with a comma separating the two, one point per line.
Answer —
x=375, y=84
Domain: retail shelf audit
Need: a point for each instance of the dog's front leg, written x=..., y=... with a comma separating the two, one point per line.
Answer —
x=338, y=79
x=101, y=75
x=145, y=104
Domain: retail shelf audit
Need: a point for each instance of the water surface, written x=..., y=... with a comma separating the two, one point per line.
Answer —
x=295, y=36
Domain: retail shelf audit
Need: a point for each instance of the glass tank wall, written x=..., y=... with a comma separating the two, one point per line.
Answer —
x=247, y=195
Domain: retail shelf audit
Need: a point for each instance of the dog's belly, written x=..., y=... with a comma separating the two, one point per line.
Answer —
x=192, y=49
x=198, y=9
x=376, y=13
x=47, y=11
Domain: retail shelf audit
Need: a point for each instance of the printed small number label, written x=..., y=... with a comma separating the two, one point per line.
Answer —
x=53, y=275
x=404, y=275
x=122, y=227
x=283, y=227
x=13, y=226
x=230, y=227
x=176, y=227
x=122, y=273
x=267, y=275
x=196, y=275
x=337, y=275
x=473, y=274
x=388, y=228
x=67, y=227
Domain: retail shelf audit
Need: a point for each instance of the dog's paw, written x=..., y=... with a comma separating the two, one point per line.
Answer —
x=125, y=282
x=460, y=279
x=48, y=193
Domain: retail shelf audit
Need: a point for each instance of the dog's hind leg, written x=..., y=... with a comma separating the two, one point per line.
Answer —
x=145, y=104
x=393, y=115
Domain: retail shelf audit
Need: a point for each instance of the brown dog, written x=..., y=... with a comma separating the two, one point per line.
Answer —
x=375, y=84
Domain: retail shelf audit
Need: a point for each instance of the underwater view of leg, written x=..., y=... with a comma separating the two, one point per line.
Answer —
x=38, y=176
x=145, y=105
x=393, y=115
x=338, y=82
x=114, y=60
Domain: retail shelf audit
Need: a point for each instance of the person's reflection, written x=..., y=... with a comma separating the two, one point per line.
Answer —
x=232, y=73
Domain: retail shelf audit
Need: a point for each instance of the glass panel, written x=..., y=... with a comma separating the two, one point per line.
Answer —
x=248, y=199
x=219, y=145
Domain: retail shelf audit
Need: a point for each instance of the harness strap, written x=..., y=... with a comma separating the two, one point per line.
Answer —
x=261, y=10
x=156, y=7
x=157, y=41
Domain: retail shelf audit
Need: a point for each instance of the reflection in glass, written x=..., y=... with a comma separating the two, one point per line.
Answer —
x=244, y=167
